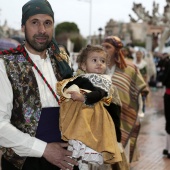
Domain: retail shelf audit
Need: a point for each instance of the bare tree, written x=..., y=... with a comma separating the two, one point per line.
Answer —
x=155, y=19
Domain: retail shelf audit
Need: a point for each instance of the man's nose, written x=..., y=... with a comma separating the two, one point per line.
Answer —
x=42, y=28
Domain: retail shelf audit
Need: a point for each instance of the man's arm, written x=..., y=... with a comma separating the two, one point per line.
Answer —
x=23, y=144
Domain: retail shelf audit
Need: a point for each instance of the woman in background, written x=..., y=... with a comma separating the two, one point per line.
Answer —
x=142, y=66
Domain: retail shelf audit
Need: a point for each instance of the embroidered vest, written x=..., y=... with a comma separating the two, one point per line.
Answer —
x=27, y=106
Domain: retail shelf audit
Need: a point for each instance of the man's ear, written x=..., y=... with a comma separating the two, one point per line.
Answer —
x=23, y=28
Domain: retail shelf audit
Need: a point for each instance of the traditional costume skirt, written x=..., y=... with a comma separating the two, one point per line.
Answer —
x=91, y=125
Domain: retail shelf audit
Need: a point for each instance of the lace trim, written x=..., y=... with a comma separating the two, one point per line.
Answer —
x=101, y=81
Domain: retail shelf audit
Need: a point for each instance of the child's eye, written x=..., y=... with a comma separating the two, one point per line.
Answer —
x=94, y=60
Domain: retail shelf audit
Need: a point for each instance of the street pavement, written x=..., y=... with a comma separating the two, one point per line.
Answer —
x=151, y=140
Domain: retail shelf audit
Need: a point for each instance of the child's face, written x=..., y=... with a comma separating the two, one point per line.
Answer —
x=95, y=63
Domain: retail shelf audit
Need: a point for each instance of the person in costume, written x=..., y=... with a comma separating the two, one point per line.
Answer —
x=166, y=83
x=86, y=101
x=129, y=82
x=29, y=111
x=142, y=66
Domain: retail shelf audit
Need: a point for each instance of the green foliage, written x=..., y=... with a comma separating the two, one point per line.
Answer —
x=78, y=41
x=69, y=30
x=139, y=43
x=66, y=27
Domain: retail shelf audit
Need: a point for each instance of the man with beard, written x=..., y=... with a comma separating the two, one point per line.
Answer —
x=29, y=109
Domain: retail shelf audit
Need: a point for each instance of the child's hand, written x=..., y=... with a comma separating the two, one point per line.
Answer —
x=76, y=96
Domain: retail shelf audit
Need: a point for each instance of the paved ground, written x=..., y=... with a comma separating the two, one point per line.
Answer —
x=151, y=139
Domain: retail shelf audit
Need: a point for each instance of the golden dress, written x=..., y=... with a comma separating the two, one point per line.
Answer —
x=90, y=124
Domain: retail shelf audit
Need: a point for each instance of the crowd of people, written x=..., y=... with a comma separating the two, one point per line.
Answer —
x=54, y=117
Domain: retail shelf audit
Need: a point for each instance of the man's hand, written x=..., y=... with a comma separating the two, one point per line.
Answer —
x=57, y=155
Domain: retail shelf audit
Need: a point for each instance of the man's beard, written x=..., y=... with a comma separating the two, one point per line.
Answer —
x=37, y=46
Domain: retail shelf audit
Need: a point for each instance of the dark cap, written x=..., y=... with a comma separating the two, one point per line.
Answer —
x=34, y=7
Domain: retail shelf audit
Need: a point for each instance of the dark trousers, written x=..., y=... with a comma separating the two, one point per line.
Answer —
x=144, y=103
x=31, y=164
x=167, y=112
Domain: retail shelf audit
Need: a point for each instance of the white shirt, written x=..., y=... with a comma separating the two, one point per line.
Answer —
x=140, y=65
x=23, y=144
x=111, y=71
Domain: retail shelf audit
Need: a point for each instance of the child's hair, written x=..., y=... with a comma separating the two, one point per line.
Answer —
x=84, y=53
